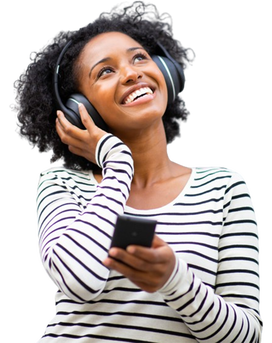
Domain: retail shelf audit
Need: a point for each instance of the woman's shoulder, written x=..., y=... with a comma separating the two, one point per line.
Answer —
x=56, y=181
x=220, y=175
x=67, y=175
x=216, y=172
x=63, y=171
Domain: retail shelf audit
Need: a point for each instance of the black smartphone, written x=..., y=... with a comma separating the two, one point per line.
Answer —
x=133, y=231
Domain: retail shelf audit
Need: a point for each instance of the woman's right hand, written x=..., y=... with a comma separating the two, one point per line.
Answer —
x=80, y=142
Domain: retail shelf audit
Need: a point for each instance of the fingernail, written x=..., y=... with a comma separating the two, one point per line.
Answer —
x=113, y=252
x=107, y=262
x=131, y=249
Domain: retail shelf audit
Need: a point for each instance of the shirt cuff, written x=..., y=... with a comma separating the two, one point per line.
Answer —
x=177, y=279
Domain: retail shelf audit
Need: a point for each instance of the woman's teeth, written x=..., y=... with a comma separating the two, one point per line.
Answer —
x=137, y=93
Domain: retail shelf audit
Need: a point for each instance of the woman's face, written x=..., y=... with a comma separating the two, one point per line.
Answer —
x=122, y=82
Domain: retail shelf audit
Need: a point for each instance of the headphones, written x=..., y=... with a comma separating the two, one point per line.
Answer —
x=171, y=70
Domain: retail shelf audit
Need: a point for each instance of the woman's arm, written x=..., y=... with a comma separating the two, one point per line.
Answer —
x=75, y=240
x=230, y=312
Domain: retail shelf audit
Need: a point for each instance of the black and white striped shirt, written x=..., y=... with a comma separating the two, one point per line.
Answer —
x=213, y=293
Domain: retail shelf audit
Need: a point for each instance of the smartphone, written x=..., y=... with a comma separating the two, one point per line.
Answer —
x=133, y=231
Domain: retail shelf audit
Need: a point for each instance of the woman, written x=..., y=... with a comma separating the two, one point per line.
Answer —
x=199, y=279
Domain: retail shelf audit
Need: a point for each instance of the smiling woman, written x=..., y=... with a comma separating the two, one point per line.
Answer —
x=37, y=118
x=130, y=83
x=199, y=280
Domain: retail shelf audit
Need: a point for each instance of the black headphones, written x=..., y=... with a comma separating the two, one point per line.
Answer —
x=172, y=72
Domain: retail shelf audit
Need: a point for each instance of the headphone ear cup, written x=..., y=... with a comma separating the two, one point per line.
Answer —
x=173, y=74
x=73, y=114
x=162, y=64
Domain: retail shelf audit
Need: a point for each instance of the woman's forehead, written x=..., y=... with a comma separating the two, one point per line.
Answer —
x=106, y=43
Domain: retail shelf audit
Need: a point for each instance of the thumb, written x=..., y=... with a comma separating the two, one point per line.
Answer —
x=158, y=242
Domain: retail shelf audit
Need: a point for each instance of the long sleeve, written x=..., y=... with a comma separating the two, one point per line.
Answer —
x=227, y=312
x=74, y=236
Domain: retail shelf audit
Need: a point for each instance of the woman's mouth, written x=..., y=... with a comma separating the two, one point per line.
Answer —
x=139, y=96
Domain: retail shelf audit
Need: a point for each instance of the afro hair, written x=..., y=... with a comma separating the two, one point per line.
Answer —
x=36, y=105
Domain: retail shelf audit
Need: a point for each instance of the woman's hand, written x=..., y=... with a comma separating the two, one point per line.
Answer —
x=148, y=268
x=80, y=142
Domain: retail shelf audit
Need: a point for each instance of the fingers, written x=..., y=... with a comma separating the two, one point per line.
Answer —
x=86, y=118
x=67, y=132
x=80, y=142
x=86, y=121
x=140, y=257
x=157, y=242
x=130, y=259
x=158, y=253
x=70, y=134
x=146, y=282
x=148, y=268
x=148, y=277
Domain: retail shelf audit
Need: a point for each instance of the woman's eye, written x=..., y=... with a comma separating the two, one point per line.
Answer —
x=108, y=70
x=104, y=71
x=139, y=57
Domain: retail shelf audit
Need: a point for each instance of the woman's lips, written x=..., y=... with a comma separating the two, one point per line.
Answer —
x=136, y=90
x=136, y=94
x=141, y=100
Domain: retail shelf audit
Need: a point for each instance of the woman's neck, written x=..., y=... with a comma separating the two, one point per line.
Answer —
x=151, y=161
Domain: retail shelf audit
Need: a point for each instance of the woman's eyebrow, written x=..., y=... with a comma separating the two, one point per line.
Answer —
x=135, y=48
x=105, y=59
x=99, y=62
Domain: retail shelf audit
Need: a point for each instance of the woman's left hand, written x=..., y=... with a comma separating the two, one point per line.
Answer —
x=148, y=268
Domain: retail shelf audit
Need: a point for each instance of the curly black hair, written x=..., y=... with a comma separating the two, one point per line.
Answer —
x=36, y=106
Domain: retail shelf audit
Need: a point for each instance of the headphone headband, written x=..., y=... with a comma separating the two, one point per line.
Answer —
x=56, y=76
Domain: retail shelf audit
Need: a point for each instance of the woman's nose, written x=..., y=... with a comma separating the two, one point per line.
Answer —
x=130, y=74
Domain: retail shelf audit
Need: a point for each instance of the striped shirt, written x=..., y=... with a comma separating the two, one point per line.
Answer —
x=213, y=292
